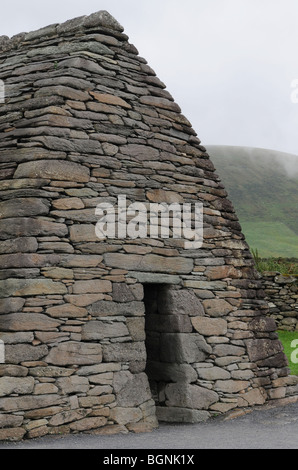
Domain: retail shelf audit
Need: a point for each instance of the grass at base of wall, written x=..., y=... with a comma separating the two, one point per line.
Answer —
x=286, y=266
x=291, y=350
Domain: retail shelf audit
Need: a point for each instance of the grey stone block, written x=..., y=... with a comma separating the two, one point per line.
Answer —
x=183, y=348
x=169, y=414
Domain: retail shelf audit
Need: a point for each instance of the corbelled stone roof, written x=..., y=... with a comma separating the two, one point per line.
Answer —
x=90, y=322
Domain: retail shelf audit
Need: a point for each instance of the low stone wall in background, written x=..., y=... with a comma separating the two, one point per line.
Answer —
x=282, y=295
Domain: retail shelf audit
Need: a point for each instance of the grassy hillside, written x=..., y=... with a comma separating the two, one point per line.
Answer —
x=263, y=186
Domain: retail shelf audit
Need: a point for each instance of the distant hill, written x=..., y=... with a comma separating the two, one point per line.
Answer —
x=263, y=187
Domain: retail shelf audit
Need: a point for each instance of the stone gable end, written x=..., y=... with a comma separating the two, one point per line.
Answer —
x=113, y=335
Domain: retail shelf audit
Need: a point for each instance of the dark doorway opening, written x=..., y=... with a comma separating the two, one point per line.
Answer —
x=165, y=333
x=173, y=351
x=154, y=366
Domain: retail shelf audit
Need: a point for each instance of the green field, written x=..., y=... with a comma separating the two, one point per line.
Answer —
x=263, y=187
x=271, y=239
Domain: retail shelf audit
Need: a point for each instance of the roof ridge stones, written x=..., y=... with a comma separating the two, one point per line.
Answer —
x=101, y=20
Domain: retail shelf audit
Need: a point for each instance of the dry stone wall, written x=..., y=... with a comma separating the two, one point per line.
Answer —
x=282, y=296
x=113, y=335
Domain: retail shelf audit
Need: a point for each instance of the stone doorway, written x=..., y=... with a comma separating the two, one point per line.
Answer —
x=172, y=349
x=155, y=329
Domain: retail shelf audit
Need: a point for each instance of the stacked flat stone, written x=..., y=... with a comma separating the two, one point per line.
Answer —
x=282, y=297
x=107, y=336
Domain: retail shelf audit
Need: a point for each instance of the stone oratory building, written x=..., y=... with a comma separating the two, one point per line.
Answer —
x=117, y=334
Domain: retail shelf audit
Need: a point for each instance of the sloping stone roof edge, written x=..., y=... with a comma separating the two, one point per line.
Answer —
x=101, y=19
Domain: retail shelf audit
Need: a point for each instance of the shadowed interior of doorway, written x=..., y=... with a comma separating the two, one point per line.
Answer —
x=168, y=346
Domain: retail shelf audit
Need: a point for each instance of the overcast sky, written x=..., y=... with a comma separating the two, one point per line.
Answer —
x=229, y=64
